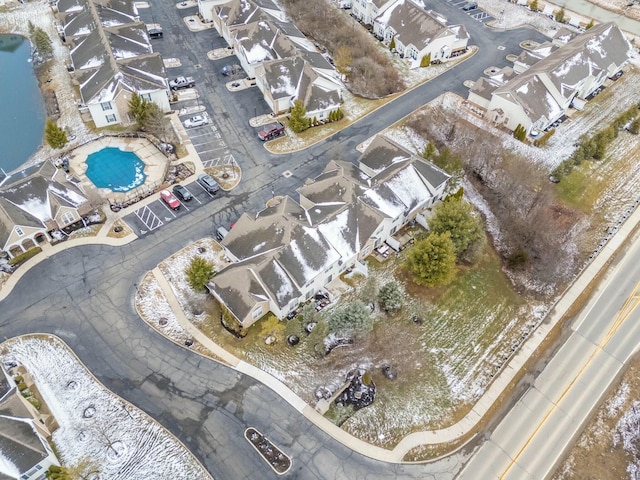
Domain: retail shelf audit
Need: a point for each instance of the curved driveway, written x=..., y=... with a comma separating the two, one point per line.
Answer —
x=84, y=295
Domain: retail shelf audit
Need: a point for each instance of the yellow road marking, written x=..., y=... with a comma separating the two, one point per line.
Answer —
x=629, y=306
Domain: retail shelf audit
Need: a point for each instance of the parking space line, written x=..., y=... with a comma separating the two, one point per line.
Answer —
x=167, y=207
x=201, y=152
x=148, y=218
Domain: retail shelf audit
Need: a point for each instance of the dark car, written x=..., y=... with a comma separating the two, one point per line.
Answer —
x=182, y=193
x=208, y=183
x=470, y=6
x=270, y=131
x=231, y=70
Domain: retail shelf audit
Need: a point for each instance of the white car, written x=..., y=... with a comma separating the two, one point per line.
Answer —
x=196, y=121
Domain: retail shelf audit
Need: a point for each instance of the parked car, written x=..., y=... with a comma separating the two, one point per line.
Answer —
x=270, y=131
x=470, y=6
x=221, y=232
x=208, y=183
x=182, y=82
x=231, y=70
x=182, y=193
x=196, y=121
x=168, y=198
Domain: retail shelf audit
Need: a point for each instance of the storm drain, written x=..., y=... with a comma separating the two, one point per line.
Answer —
x=287, y=174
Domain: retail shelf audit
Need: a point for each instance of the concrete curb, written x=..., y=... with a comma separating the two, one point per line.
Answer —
x=507, y=374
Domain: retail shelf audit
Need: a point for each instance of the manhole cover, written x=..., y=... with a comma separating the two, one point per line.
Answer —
x=197, y=65
x=287, y=174
x=163, y=321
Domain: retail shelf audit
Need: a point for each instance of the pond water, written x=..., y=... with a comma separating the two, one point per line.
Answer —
x=22, y=112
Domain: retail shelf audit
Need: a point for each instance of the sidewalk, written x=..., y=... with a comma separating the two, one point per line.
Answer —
x=184, y=322
x=506, y=376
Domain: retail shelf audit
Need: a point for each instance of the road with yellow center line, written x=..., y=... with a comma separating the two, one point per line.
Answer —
x=533, y=437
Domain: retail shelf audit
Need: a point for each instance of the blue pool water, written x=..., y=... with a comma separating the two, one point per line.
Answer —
x=114, y=169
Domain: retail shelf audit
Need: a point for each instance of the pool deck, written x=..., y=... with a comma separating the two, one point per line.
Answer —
x=154, y=160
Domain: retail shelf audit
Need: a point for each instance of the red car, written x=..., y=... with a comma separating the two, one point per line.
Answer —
x=270, y=131
x=170, y=199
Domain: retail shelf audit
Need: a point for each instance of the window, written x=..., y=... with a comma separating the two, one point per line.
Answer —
x=110, y=118
x=106, y=106
x=67, y=218
x=257, y=313
x=19, y=231
x=146, y=96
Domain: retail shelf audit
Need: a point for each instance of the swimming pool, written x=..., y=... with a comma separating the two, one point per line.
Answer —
x=115, y=169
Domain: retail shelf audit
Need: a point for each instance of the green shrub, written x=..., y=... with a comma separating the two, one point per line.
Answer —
x=520, y=133
x=426, y=60
x=22, y=386
x=18, y=379
x=635, y=126
x=34, y=401
x=199, y=273
x=23, y=257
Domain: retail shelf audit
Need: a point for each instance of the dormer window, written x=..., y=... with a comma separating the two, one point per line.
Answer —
x=19, y=231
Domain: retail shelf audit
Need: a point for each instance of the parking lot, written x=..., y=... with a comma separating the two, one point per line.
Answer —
x=150, y=217
x=475, y=13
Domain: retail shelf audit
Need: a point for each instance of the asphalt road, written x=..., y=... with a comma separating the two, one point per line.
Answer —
x=534, y=436
x=84, y=294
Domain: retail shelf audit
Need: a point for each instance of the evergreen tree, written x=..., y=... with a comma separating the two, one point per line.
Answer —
x=390, y=297
x=352, y=318
x=56, y=136
x=590, y=24
x=432, y=261
x=520, y=133
x=369, y=292
x=533, y=5
x=199, y=272
x=139, y=110
x=426, y=60
x=42, y=42
x=429, y=151
x=392, y=44
x=57, y=473
x=455, y=216
x=31, y=27
x=298, y=122
x=559, y=15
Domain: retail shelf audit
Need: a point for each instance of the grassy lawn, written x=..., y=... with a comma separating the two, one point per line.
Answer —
x=443, y=364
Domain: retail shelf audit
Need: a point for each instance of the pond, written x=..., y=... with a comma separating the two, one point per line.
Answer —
x=22, y=112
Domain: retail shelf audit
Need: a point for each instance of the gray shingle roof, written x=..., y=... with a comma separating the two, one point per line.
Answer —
x=268, y=230
x=412, y=23
x=589, y=54
x=20, y=446
x=238, y=287
x=381, y=153
x=110, y=49
x=307, y=254
x=32, y=197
